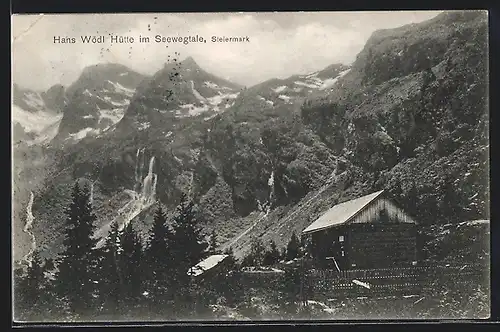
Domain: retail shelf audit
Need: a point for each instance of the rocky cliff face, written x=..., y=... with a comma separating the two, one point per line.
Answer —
x=96, y=101
x=419, y=104
x=409, y=116
x=181, y=89
x=35, y=115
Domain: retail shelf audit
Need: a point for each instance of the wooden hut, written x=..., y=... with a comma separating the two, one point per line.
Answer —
x=208, y=267
x=363, y=233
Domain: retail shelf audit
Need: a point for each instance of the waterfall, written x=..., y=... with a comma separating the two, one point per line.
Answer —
x=142, y=197
x=149, y=184
x=153, y=189
x=270, y=183
x=139, y=165
x=136, y=170
x=28, y=228
x=190, y=188
x=91, y=198
x=264, y=211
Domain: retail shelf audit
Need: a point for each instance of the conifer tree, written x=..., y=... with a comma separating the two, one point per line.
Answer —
x=451, y=201
x=272, y=255
x=188, y=248
x=212, y=245
x=293, y=247
x=159, y=259
x=231, y=262
x=75, y=279
x=29, y=286
x=188, y=245
x=255, y=256
x=110, y=281
x=132, y=267
x=412, y=200
x=232, y=290
x=290, y=288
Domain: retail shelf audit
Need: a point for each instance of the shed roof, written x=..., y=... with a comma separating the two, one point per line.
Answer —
x=341, y=213
x=206, y=264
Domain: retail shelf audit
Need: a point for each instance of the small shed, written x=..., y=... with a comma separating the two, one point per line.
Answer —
x=363, y=233
x=208, y=266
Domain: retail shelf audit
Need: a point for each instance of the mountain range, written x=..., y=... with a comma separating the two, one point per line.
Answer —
x=409, y=115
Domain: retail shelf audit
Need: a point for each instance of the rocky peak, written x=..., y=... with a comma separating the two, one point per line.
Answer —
x=391, y=53
x=189, y=63
x=55, y=97
x=99, y=76
x=97, y=100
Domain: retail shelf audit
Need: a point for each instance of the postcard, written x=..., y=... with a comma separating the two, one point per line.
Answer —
x=250, y=166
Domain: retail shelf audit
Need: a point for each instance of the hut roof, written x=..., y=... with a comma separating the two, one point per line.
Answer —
x=341, y=213
x=206, y=264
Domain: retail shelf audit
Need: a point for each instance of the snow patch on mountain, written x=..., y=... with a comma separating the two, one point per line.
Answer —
x=33, y=99
x=280, y=89
x=121, y=89
x=82, y=134
x=191, y=110
x=215, y=86
x=329, y=82
x=34, y=121
x=308, y=85
x=221, y=101
x=218, y=99
x=284, y=97
x=114, y=115
x=196, y=93
x=47, y=134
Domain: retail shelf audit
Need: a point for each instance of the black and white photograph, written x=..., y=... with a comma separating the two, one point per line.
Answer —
x=252, y=166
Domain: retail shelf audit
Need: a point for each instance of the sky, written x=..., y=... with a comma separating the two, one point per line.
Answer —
x=280, y=44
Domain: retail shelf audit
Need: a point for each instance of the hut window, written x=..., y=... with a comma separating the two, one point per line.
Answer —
x=341, y=238
x=383, y=216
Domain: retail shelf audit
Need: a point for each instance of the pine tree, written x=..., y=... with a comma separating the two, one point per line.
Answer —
x=188, y=245
x=293, y=247
x=212, y=245
x=188, y=248
x=451, y=202
x=303, y=246
x=231, y=262
x=110, y=281
x=290, y=288
x=132, y=267
x=255, y=256
x=75, y=279
x=29, y=286
x=412, y=199
x=272, y=255
x=232, y=289
x=49, y=295
x=161, y=266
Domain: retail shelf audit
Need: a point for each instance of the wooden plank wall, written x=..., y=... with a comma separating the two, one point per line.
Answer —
x=371, y=212
x=381, y=245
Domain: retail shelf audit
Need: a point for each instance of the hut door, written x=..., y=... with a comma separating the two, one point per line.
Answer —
x=341, y=255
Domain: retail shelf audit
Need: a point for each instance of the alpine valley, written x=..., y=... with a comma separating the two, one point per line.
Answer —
x=409, y=116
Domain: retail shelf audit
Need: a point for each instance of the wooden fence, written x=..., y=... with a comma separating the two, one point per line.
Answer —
x=373, y=282
x=391, y=281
